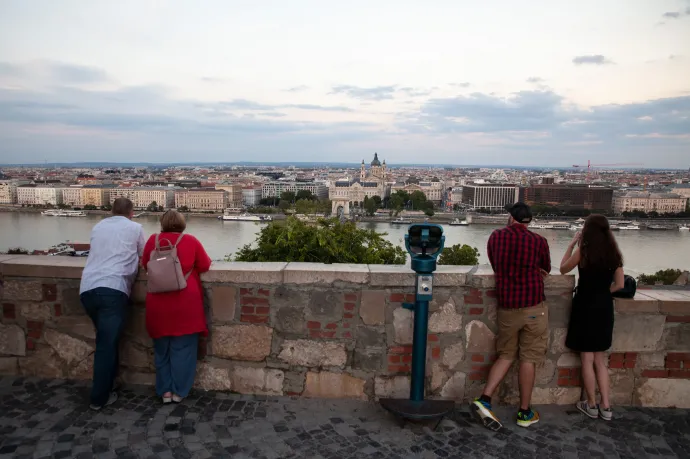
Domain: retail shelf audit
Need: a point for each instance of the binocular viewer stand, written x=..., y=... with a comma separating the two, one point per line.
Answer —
x=424, y=242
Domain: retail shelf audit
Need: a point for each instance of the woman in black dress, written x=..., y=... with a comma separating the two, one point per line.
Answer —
x=600, y=265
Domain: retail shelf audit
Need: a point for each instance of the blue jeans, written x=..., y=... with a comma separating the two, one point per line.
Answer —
x=175, y=358
x=108, y=310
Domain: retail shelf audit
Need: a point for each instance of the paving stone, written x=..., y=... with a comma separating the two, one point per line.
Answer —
x=50, y=418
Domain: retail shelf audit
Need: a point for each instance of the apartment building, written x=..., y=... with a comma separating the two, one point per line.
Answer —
x=202, y=199
x=490, y=196
x=8, y=190
x=234, y=193
x=681, y=189
x=95, y=196
x=251, y=196
x=643, y=201
x=276, y=188
x=31, y=195
x=142, y=197
x=432, y=190
x=72, y=196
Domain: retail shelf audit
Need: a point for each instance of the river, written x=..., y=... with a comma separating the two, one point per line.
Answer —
x=644, y=251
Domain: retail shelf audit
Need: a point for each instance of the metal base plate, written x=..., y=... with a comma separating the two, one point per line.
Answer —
x=418, y=411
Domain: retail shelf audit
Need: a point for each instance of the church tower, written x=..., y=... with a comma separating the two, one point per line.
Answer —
x=362, y=172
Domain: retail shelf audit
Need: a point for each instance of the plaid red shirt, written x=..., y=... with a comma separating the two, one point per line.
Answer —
x=517, y=255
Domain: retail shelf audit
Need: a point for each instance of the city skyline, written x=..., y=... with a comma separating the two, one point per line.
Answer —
x=542, y=84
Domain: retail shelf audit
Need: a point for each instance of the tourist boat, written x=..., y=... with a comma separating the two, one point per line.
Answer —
x=246, y=218
x=629, y=227
x=684, y=228
x=576, y=227
x=658, y=228
x=63, y=213
x=458, y=222
x=68, y=249
x=560, y=225
x=550, y=225
x=400, y=221
x=538, y=226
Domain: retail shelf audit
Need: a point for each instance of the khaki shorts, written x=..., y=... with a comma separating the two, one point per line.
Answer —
x=523, y=333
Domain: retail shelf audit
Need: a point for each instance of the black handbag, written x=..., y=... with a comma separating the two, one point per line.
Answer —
x=629, y=288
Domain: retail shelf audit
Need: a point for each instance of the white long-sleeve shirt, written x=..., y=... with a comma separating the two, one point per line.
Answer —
x=113, y=262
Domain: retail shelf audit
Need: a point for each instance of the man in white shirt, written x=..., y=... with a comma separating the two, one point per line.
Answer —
x=106, y=284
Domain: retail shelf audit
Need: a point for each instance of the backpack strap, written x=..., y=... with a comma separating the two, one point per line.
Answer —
x=186, y=276
x=158, y=244
x=178, y=240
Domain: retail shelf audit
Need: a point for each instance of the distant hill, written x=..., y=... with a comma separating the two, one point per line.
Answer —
x=298, y=164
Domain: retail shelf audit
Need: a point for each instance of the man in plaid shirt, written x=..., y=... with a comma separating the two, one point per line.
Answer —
x=520, y=260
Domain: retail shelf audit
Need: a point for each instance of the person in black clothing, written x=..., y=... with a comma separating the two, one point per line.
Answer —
x=590, y=332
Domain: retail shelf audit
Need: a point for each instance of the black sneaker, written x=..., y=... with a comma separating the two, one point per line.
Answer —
x=112, y=399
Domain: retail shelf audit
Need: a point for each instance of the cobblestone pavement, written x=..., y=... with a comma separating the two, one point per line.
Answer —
x=41, y=418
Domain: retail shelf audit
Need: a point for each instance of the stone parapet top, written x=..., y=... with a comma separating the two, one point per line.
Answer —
x=270, y=273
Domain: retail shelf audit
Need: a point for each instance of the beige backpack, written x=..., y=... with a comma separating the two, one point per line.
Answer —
x=164, y=270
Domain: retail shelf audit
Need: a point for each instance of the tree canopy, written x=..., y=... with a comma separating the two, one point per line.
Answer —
x=459, y=255
x=328, y=241
x=305, y=194
x=288, y=196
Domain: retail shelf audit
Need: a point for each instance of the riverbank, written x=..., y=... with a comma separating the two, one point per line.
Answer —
x=31, y=210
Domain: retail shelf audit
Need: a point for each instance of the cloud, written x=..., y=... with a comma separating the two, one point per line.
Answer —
x=461, y=85
x=596, y=59
x=299, y=88
x=357, y=92
x=7, y=69
x=415, y=92
x=671, y=15
x=479, y=112
x=546, y=115
x=243, y=104
x=535, y=80
x=66, y=122
x=70, y=73
x=215, y=80
x=55, y=72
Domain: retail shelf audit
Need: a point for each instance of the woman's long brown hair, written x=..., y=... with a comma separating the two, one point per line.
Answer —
x=598, y=247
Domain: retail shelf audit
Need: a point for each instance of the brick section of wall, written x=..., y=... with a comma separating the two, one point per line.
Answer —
x=9, y=312
x=34, y=333
x=678, y=364
x=481, y=365
x=678, y=319
x=473, y=296
x=399, y=359
x=434, y=346
x=655, y=373
x=569, y=377
x=327, y=330
x=401, y=298
x=349, y=322
x=49, y=292
x=619, y=360
x=255, y=304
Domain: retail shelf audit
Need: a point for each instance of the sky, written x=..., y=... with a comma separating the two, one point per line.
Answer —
x=529, y=83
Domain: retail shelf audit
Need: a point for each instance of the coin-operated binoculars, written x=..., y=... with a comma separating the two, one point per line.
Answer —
x=424, y=242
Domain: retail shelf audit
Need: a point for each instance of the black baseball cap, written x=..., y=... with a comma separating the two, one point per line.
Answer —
x=520, y=212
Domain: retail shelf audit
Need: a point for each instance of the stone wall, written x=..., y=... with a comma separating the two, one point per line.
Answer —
x=341, y=331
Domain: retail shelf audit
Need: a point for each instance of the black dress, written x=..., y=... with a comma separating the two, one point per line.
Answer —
x=591, y=317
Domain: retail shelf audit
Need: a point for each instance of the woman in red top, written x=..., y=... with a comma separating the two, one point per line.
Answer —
x=175, y=319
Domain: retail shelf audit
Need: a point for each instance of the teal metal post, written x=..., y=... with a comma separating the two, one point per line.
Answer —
x=421, y=325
